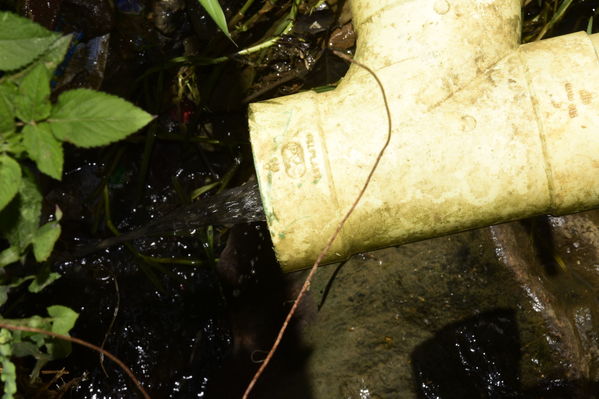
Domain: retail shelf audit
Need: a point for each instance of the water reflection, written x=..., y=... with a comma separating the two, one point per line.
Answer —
x=475, y=358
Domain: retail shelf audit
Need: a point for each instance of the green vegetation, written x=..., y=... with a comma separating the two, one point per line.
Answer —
x=544, y=16
x=33, y=128
x=215, y=11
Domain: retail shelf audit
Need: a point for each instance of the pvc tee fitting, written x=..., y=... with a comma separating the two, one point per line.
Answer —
x=485, y=131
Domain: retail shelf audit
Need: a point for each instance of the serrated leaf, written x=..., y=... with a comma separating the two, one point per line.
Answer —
x=51, y=59
x=89, y=118
x=8, y=256
x=21, y=41
x=20, y=219
x=10, y=178
x=44, y=239
x=7, y=113
x=215, y=11
x=44, y=149
x=13, y=144
x=33, y=101
x=55, y=53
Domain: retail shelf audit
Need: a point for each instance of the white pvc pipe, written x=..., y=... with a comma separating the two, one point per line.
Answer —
x=485, y=131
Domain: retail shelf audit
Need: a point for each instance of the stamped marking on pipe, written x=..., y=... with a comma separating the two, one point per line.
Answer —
x=293, y=159
x=585, y=96
x=572, y=111
x=441, y=7
x=272, y=165
x=316, y=173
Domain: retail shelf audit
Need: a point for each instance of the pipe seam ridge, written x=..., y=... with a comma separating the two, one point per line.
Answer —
x=541, y=130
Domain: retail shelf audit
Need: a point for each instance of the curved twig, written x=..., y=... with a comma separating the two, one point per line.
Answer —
x=87, y=345
x=327, y=247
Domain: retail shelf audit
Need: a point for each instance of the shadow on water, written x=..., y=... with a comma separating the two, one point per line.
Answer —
x=474, y=358
x=259, y=296
x=480, y=358
x=472, y=315
x=543, y=243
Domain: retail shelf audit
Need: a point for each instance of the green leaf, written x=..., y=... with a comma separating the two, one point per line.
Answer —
x=64, y=318
x=22, y=349
x=9, y=372
x=58, y=213
x=55, y=53
x=5, y=339
x=44, y=149
x=12, y=143
x=20, y=219
x=7, y=113
x=26, y=348
x=89, y=118
x=21, y=41
x=51, y=58
x=3, y=294
x=44, y=240
x=37, y=322
x=42, y=281
x=15, y=282
x=204, y=189
x=9, y=377
x=8, y=256
x=10, y=176
x=33, y=101
x=215, y=11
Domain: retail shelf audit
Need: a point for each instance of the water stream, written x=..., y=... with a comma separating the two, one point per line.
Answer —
x=237, y=205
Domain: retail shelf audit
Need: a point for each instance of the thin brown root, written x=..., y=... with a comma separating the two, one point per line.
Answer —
x=111, y=325
x=327, y=247
x=87, y=345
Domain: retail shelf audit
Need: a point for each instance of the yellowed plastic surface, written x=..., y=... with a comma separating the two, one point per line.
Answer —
x=484, y=131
